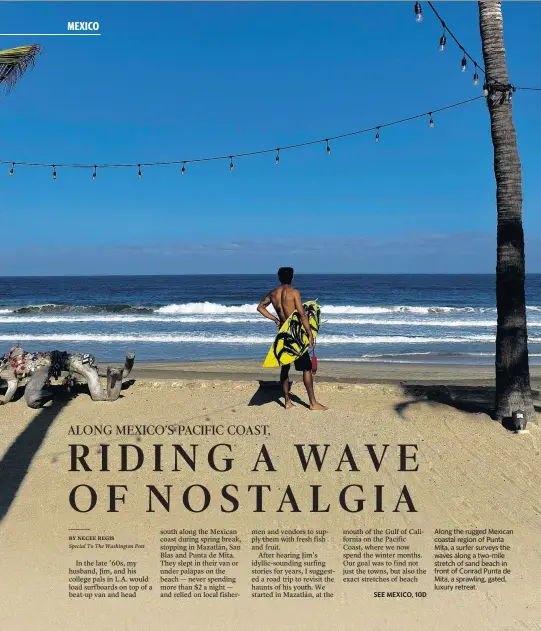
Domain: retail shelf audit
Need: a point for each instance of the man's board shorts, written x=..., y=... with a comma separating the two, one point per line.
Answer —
x=304, y=362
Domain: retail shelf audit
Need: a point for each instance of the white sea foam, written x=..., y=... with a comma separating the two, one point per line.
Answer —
x=416, y=322
x=167, y=338
x=23, y=319
x=331, y=309
x=388, y=358
x=206, y=307
x=243, y=319
x=424, y=322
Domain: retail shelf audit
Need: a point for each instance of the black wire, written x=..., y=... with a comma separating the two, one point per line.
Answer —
x=297, y=145
x=247, y=153
x=477, y=65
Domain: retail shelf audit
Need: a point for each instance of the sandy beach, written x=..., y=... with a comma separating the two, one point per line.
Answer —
x=472, y=473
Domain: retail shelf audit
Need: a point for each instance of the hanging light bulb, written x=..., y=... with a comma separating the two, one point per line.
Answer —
x=475, y=76
x=485, y=89
x=377, y=134
x=431, y=121
x=510, y=95
x=443, y=41
x=54, y=172
x=139, y=174
x=231, y=165
x=464, y=63
x=277, y=159
x=12, y=169
x=328, y=147
x=183, y=170
x=418, y=12
x=94, y=174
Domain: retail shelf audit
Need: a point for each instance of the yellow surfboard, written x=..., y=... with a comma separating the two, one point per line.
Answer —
x=291, y=341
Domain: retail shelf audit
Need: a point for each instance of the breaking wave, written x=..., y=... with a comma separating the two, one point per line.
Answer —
x=54, y=308
x=216, y=308
x=213, y=308
x=206, y=307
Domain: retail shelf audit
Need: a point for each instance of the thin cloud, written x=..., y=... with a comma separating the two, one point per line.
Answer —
x=412, y=252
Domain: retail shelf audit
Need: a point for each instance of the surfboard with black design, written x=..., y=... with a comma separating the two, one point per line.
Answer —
x=291, y=341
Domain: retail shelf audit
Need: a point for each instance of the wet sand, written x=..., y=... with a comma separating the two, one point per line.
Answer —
x=328, y=372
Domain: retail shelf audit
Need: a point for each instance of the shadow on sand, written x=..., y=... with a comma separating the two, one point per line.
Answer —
x=271, y=392
x=17, y=460
x=471, y=399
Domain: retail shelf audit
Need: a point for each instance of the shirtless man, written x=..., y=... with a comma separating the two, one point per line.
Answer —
x=285, y=300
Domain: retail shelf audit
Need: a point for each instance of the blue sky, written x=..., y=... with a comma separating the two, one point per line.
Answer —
x=176, y=81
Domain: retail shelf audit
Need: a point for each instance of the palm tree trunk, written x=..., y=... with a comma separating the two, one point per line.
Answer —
x=512, y=371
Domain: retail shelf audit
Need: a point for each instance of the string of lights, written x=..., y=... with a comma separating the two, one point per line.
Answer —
x=490, y=84
x=277, y=151
x=489, y=81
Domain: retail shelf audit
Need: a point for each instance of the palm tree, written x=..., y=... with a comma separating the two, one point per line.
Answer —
x=512, y=371
x=14, y=62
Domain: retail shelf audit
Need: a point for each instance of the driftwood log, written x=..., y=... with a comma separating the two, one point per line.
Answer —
x=13, y=384
x=36, y=394
x=39, y=368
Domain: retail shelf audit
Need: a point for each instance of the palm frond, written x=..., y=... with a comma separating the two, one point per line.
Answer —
x=14, y=62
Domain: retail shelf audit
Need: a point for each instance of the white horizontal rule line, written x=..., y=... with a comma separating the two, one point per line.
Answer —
x=49, y=34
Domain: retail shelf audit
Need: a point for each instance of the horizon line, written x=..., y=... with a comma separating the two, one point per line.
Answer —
x=6, y=276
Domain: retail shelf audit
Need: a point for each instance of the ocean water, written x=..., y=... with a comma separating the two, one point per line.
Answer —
x=389, y=318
